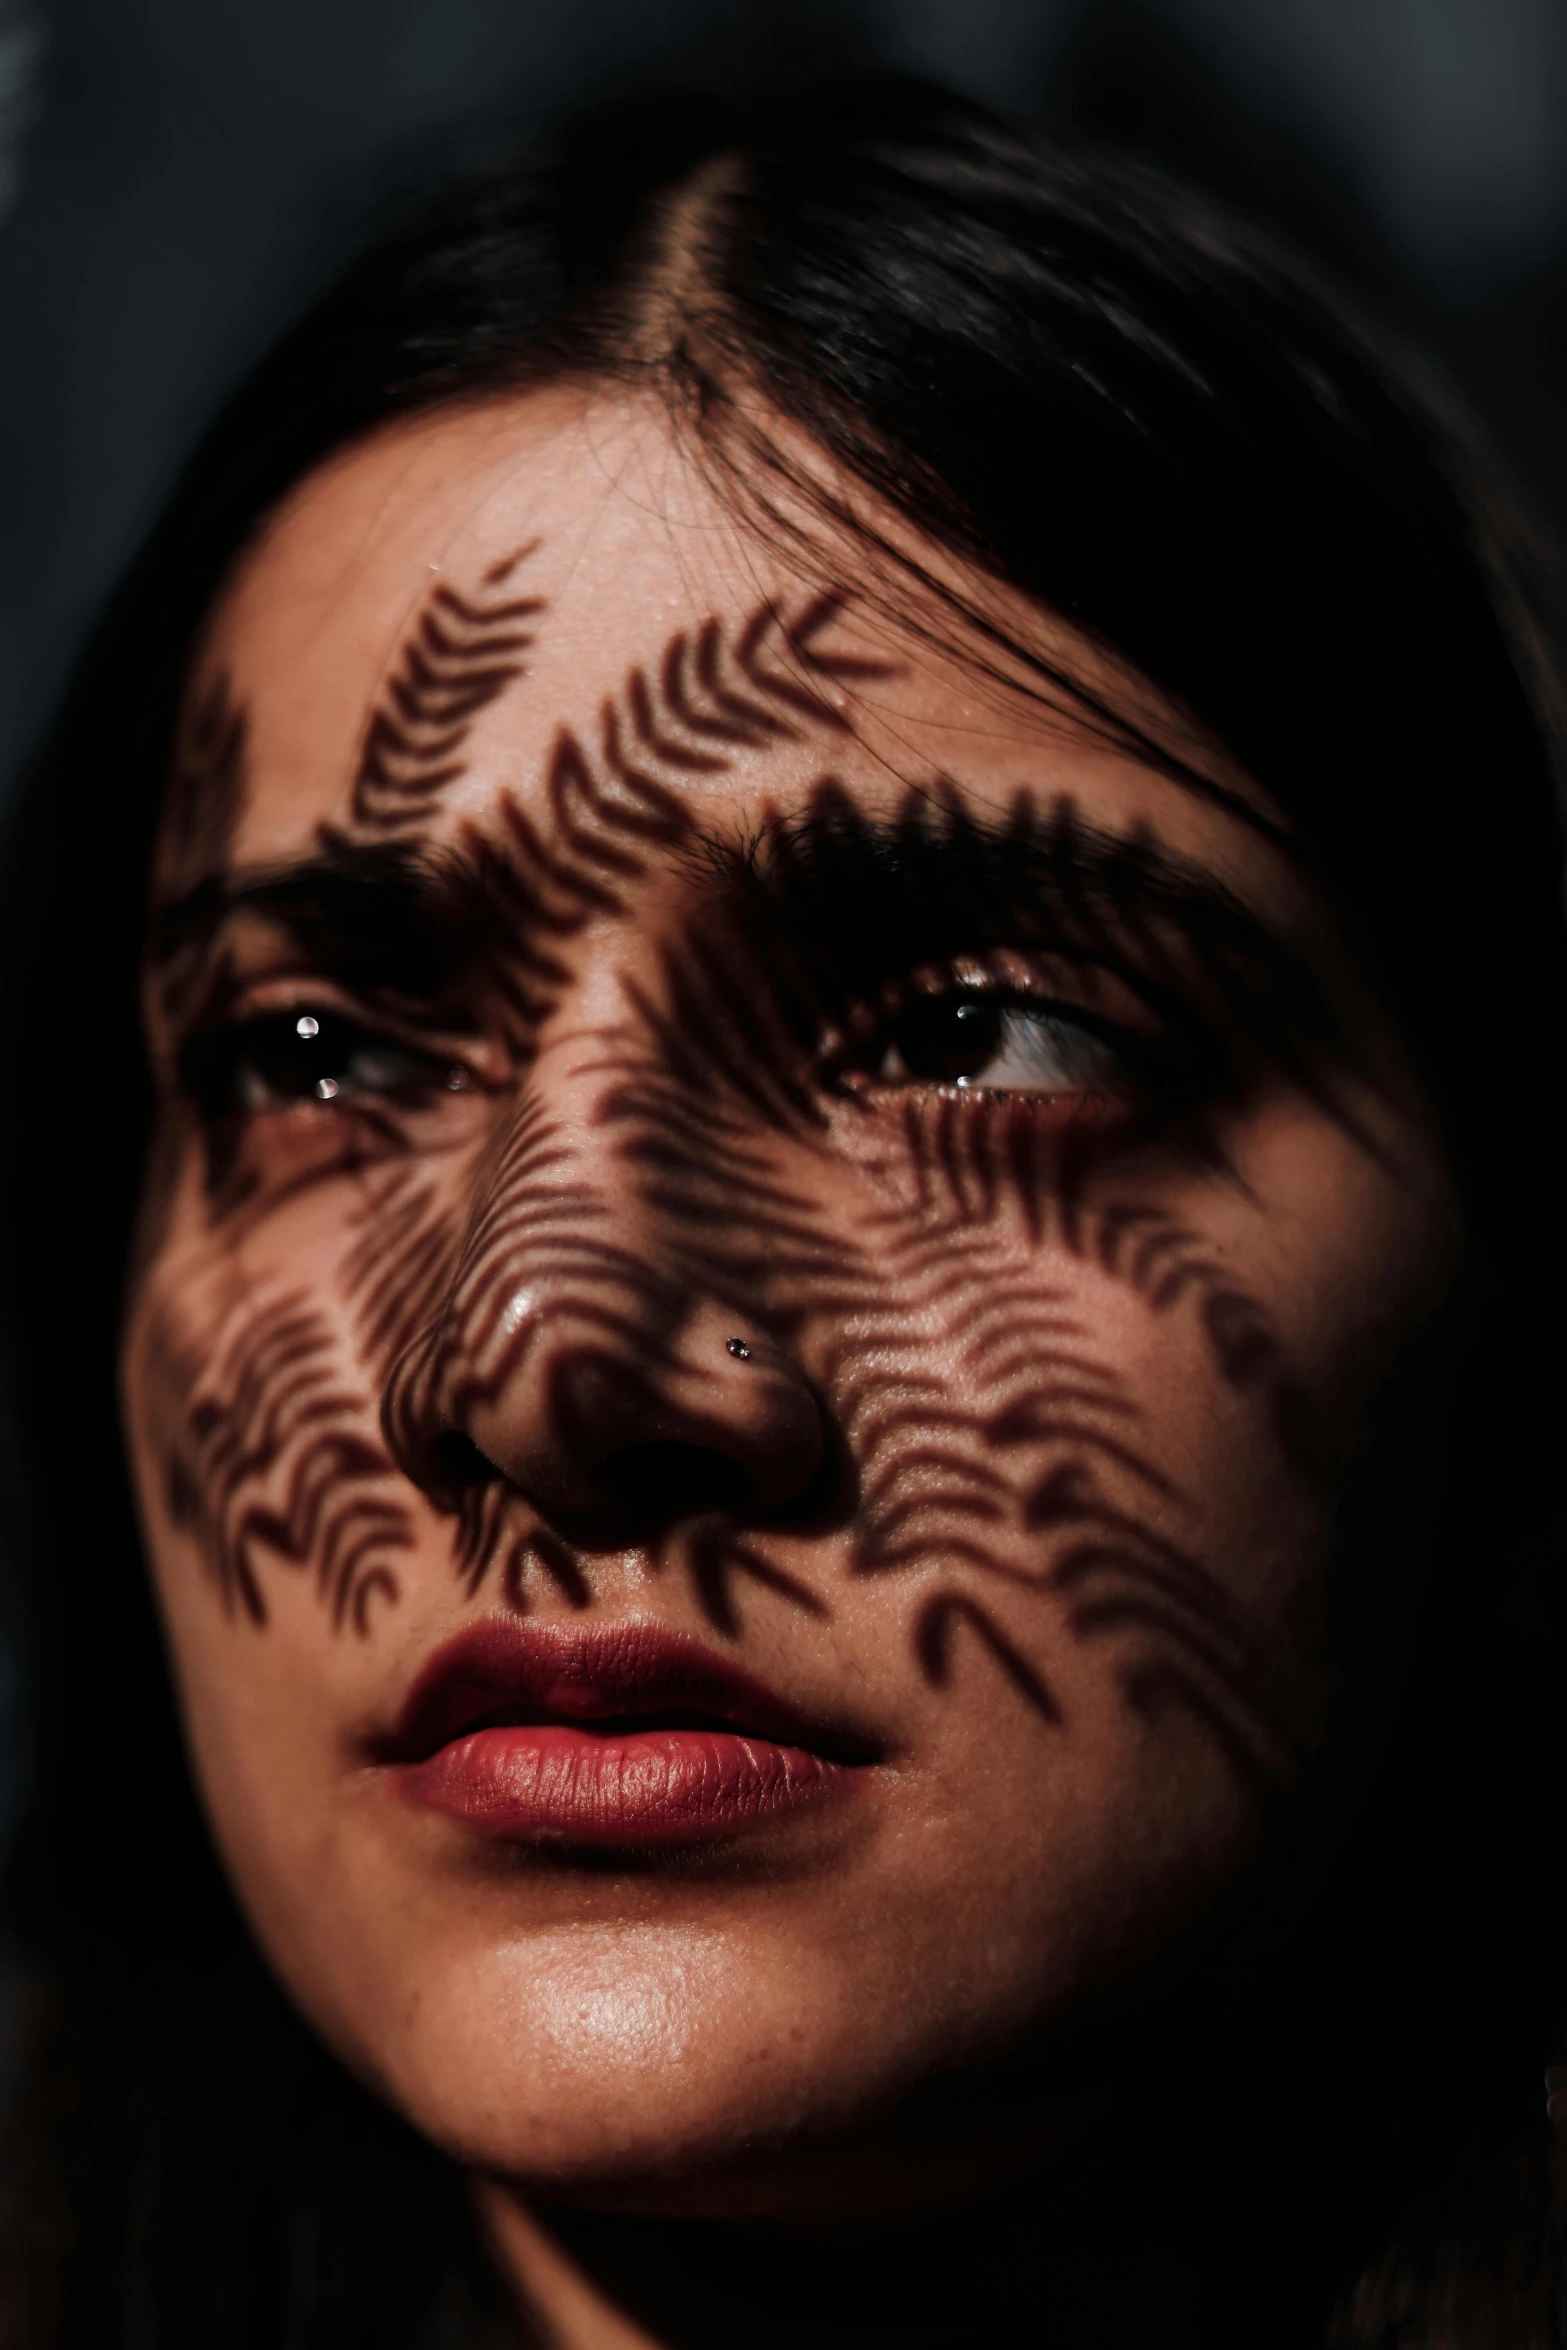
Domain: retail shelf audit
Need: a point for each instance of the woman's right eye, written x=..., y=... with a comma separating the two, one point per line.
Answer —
x=306, y=1054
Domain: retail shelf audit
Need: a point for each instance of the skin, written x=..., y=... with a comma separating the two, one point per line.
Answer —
x=1057, y=1377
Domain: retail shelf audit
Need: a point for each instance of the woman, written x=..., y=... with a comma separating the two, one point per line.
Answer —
x=835, y=1154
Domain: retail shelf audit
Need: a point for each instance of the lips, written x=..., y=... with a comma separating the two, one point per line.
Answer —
x=620, y=1735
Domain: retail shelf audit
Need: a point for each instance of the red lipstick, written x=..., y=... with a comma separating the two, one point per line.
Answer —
x=613, y=1735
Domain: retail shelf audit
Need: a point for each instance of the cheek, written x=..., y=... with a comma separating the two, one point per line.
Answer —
x=252, y=1369
x=1361, y=1248
x=278, y=1533
x=1104, y=1438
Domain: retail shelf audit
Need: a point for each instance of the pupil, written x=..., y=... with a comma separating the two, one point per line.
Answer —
x=299, y=1056
x=946, y=1042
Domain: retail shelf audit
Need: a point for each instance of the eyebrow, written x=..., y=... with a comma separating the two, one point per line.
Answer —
x=858, y=898
x=835, y=869
x=377, y=901
x=867, y=899
x=371, y=915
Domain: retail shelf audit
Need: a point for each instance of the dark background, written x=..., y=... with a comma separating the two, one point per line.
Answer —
x=175, y=175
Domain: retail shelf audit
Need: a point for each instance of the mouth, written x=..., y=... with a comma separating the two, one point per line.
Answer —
x=616, y=1735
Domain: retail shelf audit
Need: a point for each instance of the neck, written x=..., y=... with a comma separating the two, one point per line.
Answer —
x=1143, y=2261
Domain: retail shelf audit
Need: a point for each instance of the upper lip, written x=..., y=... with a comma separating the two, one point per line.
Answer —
x=621, y=1676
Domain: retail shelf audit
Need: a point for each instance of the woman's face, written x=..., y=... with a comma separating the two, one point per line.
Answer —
x=764, y=1269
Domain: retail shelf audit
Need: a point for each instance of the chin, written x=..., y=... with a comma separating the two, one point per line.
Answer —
x=610, y=2060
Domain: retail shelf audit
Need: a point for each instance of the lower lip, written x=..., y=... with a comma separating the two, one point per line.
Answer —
x=552, y=1784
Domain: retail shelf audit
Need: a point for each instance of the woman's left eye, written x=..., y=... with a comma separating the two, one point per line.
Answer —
x=1000, y=1047
x=282, y=1058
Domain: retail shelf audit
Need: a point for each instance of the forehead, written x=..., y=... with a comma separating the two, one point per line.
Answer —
x=564, y=541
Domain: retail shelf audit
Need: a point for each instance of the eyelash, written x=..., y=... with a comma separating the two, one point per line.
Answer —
x=303, y=1055
x=1160, y=1067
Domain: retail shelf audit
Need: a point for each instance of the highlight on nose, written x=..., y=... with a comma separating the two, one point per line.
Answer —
x=617, y=1433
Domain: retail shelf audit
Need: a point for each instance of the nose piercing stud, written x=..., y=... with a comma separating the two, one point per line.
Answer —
x=738, y=1348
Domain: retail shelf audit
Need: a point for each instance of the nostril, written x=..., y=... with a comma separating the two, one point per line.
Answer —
x=456, y=1463
x=664, y=1482
x=615, y=1445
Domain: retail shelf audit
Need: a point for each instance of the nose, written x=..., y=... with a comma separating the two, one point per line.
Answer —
x=604, y=1381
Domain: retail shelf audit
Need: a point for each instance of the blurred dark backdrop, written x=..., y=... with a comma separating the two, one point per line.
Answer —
x=176, y=174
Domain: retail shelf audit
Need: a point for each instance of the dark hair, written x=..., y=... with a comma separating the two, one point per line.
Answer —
x=1082, y=383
